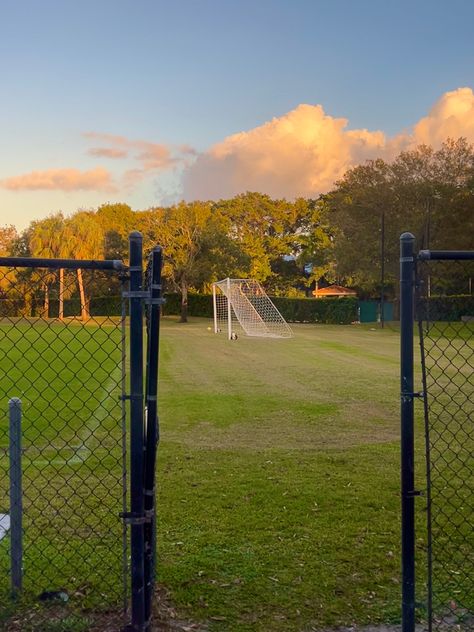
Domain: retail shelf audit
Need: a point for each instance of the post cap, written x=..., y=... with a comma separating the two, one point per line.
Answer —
x=407, y=237
x=135, y=235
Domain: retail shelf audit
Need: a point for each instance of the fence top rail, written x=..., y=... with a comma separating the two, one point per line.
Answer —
x=446, y=255
x=71, y=264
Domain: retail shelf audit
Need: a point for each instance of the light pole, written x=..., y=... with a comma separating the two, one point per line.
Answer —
x=382, y=268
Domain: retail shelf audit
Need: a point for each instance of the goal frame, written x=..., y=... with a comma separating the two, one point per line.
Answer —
x=265, y=326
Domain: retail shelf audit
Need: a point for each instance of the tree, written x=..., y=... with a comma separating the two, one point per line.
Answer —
x=427, y=192
x=116, y=221
x=197, y=247
x=8, y=236
x=279, y=236
x=47, y=239
x=8, y=239
x=84, y=240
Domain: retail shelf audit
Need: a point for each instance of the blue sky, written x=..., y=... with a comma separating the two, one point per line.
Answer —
x=192, y=73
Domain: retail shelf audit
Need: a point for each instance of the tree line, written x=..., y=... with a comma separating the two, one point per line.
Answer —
x=289, y=246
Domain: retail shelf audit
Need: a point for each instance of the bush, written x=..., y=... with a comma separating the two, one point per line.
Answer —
x=332, y=311
x=447, y=308
x=198, y=305
x=294, y=310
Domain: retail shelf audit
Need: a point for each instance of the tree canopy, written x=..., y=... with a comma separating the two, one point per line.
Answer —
x=286, y=245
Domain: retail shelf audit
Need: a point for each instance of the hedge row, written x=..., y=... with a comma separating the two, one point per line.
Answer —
x=198, y=305
x=294, y=310
x=332, y=311
x=447, y=308
x=101, y=306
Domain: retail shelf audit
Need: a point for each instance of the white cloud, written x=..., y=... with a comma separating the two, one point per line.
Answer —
x=305, y=151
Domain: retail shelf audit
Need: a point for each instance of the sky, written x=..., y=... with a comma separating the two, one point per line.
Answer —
x=151, y=101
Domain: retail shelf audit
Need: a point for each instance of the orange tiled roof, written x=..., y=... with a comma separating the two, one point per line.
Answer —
x=334, y=290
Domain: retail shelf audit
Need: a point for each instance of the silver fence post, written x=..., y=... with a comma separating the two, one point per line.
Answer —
x=16, y=501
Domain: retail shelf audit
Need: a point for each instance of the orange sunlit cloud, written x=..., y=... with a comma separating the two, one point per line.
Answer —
x=151, y=156
x=108, y=152
x=98, y=179
x=303, y=152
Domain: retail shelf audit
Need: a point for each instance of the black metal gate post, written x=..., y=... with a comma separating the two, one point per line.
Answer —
x=407, y=269
x=137, y=516
x=152, y=428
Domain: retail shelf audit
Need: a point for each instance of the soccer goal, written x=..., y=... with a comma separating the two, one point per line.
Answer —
x=244, y=305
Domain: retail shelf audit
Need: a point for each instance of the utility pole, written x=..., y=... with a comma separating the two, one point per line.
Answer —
x=382, y=269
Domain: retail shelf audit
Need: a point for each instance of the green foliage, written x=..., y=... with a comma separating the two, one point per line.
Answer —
x=198, y=305
x=8, y=235
x=295, y=310
x=427, y=192
x=268, y=230
x=447, y=308
x=337, y=311
x=196, y=244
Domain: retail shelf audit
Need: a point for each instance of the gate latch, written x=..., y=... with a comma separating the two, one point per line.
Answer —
x=145, y=295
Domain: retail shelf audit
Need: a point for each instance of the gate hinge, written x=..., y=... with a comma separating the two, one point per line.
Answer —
x=420, y=394
x=415, y=492
x=129, y=517
x=124, y=397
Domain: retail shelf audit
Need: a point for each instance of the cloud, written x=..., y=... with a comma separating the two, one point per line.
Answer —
x=98, y=179
x=150, y=156
x=108, y=152
x=303, y=152
x=451, y=116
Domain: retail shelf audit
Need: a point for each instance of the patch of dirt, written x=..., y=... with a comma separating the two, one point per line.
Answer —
x=60, y=618
x=467, y=626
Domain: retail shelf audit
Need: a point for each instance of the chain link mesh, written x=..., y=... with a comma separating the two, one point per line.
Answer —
x=62, y=353
x=445, y=308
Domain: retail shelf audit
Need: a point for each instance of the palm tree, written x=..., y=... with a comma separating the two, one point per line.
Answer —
x=85, y=241
x=47, y=240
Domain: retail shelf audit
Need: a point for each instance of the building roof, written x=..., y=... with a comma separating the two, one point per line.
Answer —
x=334, y=290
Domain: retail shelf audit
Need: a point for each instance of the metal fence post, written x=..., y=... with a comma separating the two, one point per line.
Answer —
x=136, y=517
x=407, y=268
x=16, y=502
x=152, y=426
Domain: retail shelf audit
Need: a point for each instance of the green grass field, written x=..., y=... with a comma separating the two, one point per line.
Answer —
x=278, y=473
x=279, y=477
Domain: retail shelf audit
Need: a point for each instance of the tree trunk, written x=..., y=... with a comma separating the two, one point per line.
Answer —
x=184, y=303
x=46, y=301
x=84, y=310
x=61, y=294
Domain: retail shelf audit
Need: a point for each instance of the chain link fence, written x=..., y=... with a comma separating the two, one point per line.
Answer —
x=445, y=308
x=62, y=355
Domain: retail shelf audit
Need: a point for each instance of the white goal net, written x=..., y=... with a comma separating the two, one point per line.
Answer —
x=244, y=305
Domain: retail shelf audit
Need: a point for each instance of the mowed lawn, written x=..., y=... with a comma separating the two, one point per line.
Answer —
x=278, y=473
x=279, y=477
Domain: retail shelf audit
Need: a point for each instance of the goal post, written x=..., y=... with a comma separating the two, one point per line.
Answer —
x=244, y=304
